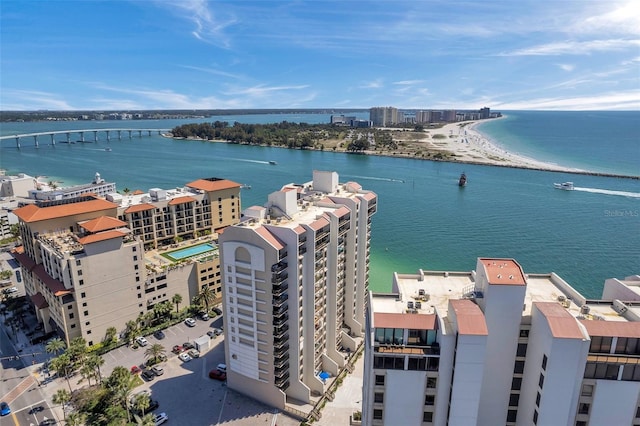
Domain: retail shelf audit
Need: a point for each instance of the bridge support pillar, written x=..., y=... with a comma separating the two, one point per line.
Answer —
x=53, y=140
x=119, y=135
x=140, y=133
x=17, y=142
x=129, y=134
x=35, y=139
x=108, y=138
x=95, y=136
x=81, y=136
x=68, y=137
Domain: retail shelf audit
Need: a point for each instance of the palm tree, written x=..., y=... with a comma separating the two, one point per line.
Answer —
x=154, y=351
x=142, y=402
x=110, y=335
x=63, y=366
x=87, y=372
x=131, y=330
x=61, y=397
x=120, y=383
x=177, y=299
x=206, y=296
x=76, y=419
x=55, y=345
x=96, y=361
x=148, y=420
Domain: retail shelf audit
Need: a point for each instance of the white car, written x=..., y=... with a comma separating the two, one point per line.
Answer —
x=190, y=322
x=160, y=418
x=141, y=341
x=185, y=357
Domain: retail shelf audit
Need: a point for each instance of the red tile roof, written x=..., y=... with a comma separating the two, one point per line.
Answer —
x=33, y=213
x=369, y=196
x=216, y=185
x=469, y=317
x=612, y=328
x=102, y=223
x=269, y=237
x=562, y=324
x=408, y=321
x=342, y=211
x=39, y=301
x=181, y=200
x=137, y=192
x=317, y=225
x=26, y=262
x=56, y=287
x=102, y=236
x=139, y=208
x=503, y=272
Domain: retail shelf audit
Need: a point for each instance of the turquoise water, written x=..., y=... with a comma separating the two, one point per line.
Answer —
x=190, y=251
x=424, y=220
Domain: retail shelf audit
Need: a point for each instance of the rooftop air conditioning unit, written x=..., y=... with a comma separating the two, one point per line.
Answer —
x=585, y=309
x=561, y=298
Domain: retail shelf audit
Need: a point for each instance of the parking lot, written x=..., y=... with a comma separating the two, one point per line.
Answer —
x=185, y=392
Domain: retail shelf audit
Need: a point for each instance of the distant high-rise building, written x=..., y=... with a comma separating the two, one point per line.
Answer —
x=295, y=276
x=496, y=346
x=485, y=112
x=383, y=116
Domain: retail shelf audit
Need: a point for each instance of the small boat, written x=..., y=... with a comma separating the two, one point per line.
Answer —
x=108, y=149
x=463, y=180
x=567, y=186
x=245, y=186
x=273, y=163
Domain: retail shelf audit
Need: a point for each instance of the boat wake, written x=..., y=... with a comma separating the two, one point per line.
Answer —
x=378, y=178
x=608, y=192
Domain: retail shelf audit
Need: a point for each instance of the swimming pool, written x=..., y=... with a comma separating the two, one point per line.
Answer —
x=190, y=251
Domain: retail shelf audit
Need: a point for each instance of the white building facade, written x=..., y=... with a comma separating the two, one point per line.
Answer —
x=497, y=346
x=295, y=278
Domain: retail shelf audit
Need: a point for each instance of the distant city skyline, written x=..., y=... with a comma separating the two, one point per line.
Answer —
x=197, y=54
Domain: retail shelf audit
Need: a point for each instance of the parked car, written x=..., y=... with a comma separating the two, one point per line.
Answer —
x=222, y=367
x=217, y=375
x=141, y=341
x=157, y=370
x=217, y=331
x=136, y=370
x=177, y=349
x=5, y=410
x=211, y=334
x=48, y=422
x=160, y=418
x=188, y=345
x=190, y=322
x=194, y=353
x=203, y=316
x=185, y=357
x=148, y=375
x=10, y=290
x=159, y=335
x=218, y=311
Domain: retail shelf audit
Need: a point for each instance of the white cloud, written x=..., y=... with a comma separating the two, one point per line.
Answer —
x=32, y=99
x=629, y=100
x=375, y=84
x=408, y=82
x=574, y=48
x=611, y=18
x=566, y=67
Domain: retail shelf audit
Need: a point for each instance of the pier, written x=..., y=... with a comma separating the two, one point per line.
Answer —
x=81, y=135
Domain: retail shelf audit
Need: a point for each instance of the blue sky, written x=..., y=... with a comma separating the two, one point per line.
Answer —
x=197, y=54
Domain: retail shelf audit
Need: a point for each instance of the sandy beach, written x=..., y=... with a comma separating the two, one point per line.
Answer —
x=461, y=142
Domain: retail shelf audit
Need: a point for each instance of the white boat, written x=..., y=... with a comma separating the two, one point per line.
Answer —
x=245, y=186
x=107, y=149
x=567, y=186
x=273, y=163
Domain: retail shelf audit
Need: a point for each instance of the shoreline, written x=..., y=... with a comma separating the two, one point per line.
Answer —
x=462, y=143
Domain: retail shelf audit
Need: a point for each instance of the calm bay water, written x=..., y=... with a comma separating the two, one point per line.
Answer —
x=424, y=220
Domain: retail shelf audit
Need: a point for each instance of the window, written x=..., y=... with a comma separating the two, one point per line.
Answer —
x=379, y=380
x=587, y=390
x=544, y=362
x=88, y=331
x=538, y=400
x=81, y=282
x=135, y=267
x=427, y=416
x=378, y=397
x=514, y=398
x=377, y=414
x=83, y=294
x=524, y=333
x=87, y=323
x=519, y=367
x=638, y=413
x=86, y=313
x=535, y=417
x=432, y=382
x=429, y=399
x=522, y=349
x=541, y=380
x=78, y=262
x=516, y=383
x=135, y=258
x=584, y=408
x=79, y=272
x=73, y=326
x=511, y=415
x=71, y=315
x=84, y=304
x=581, y=423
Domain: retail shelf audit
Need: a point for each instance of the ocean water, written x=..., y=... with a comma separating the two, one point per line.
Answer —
x=424, y=220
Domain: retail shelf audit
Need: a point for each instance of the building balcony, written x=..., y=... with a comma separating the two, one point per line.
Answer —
x=280, y=331
x=281, y=367
x=279, y=321
x=279, y=277
x=281, y=358
x=279, y=267
x=280, y=341
x=279, y=311
x=281, y=350
x=279, y=301
x=279, y=288
x=282, y=371
x=281, y=381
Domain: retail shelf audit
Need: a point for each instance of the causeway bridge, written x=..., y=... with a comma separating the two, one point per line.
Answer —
x=109, y=133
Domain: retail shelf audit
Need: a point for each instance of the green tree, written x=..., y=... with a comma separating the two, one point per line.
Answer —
x=63, y=366
x=61, y=397
x=78, y=351
x=131, y=330
x=154, y=351
x=15, y=230
x=95, y=361
x=206, y=296
x=177, y=299
x=142, y=402
x=76, y=419
x=120, y=383
x=55, y=346
x=110, y=335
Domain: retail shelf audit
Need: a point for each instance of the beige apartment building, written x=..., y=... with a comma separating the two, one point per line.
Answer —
x=89, y=263
x=295, y=278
